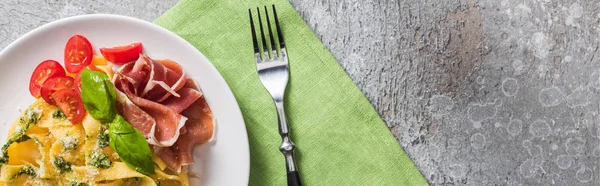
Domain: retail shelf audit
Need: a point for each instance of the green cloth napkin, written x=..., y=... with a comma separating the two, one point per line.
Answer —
x=340, y=138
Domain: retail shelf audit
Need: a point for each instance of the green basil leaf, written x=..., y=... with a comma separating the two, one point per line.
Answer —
x=131, y=146
x=98, y=95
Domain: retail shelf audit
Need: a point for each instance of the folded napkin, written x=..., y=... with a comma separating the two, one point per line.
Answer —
x=340, y=138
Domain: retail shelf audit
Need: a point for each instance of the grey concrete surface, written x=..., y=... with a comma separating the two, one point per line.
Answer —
x=488, y=92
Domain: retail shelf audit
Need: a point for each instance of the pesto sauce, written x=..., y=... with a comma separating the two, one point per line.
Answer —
x=69, y=143
x=132, y=181
x=100, y=160
x=62, y=165
x=74, y=183
x=102, y=140
x=27, y=170
x=22, y=138
x=37, y=142
x=30, y=118
x=17, y=137
x=4, y=158
x=57, y=114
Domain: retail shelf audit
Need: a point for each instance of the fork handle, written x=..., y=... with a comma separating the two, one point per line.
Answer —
x=287, y=146
x=293, y=179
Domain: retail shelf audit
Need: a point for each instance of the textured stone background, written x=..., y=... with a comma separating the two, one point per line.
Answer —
x=489, y=92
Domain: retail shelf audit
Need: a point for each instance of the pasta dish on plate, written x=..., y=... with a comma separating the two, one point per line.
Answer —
x=119, y=118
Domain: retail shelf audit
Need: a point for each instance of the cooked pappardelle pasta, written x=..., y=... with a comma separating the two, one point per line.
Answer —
x=44, y=148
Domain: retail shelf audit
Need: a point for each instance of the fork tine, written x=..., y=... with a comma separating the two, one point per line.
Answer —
x=254, y=41
x=279, y=33
x=262, y=34
x=273, y=47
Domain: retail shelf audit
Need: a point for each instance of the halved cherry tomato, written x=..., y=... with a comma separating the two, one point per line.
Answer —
x=46, y=69
x=53, y=84
x=78, y=54
x=122, y=54
x=70, y=103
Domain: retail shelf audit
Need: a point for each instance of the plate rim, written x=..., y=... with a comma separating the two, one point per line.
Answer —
x=227, y=95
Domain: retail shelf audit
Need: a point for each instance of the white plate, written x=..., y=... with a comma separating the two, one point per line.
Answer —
x=225, y=162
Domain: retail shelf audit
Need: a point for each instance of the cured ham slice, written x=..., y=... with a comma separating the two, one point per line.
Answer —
x=133, y=79
x=160, y=125
x=133, y=114
x=199, y=130
x=155, y=97
x=168, y=122
x=174, y=77
x=187, y=97
x=170, y=158
x=132, y=75
x=150, y=79
x=166, y=77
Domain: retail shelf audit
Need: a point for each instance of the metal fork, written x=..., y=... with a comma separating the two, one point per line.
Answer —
x=273, y=72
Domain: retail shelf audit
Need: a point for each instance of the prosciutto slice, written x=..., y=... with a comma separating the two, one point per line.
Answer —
x=170, y=158
x=155, y=97
x=133, y=114
x=200, y=128
x=187, y=97
x=160, y=125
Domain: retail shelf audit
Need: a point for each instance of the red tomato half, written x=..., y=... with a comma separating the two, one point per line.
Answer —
x=78, y=54
x=53, y=84
x=70, y=103
x=122, y=54
x=46, y=69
